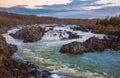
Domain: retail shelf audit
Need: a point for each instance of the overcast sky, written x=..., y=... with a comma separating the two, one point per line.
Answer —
x=63, y=8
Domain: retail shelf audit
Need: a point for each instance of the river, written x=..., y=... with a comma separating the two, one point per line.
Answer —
x=46, y=53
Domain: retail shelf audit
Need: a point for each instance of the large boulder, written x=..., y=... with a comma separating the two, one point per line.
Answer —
x=93, y=44
x=6, y=50
x=18, y=69
x=113, y=42
x=73, y=48
x=11, y=68
x=29, y=34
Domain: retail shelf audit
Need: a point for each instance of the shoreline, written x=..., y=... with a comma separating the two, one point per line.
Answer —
x=15, y=68
x=9, y=20
x=36, y=72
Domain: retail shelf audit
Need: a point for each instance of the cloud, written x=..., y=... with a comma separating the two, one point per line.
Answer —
x=31, y=3
x=113, y=2
x=65, y=8
x=79, y=5
x=60, y=4
x=95, y=13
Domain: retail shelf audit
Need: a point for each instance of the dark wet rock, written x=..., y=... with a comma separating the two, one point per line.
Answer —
x=73, y=48
x=93, y=44
x=29, y=34
x=45, y=74
x=113, y=42
x=11, y=68
x=72, y=35
x=17, y=69
x=76, y=28
x=6, y=50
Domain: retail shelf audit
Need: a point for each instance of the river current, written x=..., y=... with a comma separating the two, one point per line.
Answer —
x=45, y=53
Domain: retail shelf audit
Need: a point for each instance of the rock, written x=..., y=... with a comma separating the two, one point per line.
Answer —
x=113, y=42
x=76, y=28
x=18, y=69
x=45, y=74
x=29, y=34
x=73, y=48
x=72, y=35
x=6, y=50
x=93, y=44
x=11, y=68
x=2, y=60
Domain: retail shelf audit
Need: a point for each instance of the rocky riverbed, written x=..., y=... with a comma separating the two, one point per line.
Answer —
x=33, y=33
x=93, y=44
x=11, y=68
x=44, y=51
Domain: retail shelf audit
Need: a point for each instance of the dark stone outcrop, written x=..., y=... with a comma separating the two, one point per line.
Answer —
x=72, y=35
x=29, y=34
x=93, y=44
x=73, y=48
x=18, y=69
x=6, y=50
x=11, y=68
x=113, y=42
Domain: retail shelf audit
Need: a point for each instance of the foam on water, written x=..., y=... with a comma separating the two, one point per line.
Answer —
x=47, y=57
x=57, y=29
x=55, y=76
x=62, y=28
x=45, y=53
x=61, y=31
x=11, y=40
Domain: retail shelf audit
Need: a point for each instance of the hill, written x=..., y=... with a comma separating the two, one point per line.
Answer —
x=106, y=26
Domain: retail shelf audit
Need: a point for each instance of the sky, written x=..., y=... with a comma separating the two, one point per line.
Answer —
x=63, y=8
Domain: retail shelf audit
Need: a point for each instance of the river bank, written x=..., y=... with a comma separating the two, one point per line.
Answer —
x=34, y=51
x=9, y=20
x=50, y=59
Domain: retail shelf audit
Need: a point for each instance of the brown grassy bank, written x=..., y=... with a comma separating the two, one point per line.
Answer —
x=106, y=26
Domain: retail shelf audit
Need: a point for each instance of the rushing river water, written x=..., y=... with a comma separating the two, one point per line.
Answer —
x=88, y=65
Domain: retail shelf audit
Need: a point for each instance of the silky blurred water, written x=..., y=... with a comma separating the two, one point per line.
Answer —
x=89, y=65
x=45, y=53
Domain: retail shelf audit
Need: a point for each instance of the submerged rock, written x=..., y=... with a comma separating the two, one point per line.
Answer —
x=29, y=34
x=93, y=44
